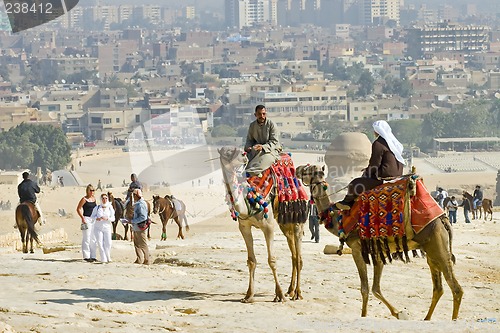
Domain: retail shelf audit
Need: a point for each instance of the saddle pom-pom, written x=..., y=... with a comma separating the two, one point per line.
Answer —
x=289, y=154
x=266, y=216
x=266, y=209
x=257, y=206
x=265, y=204
x=237, y=213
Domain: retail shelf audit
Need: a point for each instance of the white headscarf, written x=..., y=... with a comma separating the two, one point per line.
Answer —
x=384, y=130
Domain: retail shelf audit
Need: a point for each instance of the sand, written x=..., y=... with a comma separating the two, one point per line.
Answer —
x=195, y=284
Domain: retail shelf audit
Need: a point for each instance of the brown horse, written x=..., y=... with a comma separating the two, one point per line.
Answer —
x=118, y=206
x=435, y=239
x=165, y=207
x=487, y=205
x=129, y=214
x=478, y=208
x=26, y=217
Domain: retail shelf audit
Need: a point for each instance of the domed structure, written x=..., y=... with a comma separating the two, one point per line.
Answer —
x=346, y=157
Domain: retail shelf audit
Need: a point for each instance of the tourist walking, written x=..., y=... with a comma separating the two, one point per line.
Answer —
x=452, y=209
x=103, y=214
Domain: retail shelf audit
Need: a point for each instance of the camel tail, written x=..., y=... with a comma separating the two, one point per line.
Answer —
x=25, y=211
x=447, y=226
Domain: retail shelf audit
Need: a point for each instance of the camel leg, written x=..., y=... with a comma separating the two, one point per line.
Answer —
x=298, y=229
x=437, y=287
x=285, y=228
x=363, y=275
x=377, y=277
x=271, y=260
x=246, y=232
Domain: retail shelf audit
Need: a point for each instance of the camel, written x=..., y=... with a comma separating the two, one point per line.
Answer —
x=232, y=161
x=435, y=239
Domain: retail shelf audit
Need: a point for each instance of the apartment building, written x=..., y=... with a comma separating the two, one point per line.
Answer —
x=425, y=41
x=247, y=13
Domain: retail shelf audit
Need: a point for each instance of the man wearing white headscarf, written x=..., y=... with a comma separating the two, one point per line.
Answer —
x=386, y=161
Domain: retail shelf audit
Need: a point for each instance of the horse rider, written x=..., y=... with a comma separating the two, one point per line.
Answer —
x=478, y=197
x=134, y=184
x=262, y=143
x=27, y=190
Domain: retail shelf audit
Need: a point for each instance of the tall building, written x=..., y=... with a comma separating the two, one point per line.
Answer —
x=246, y=13
x=423, y=42
x=377, y=12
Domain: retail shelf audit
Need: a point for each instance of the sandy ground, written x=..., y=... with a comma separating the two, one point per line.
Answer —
x=195, y=284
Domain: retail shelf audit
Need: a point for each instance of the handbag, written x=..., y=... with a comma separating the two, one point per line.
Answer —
x=144, y=225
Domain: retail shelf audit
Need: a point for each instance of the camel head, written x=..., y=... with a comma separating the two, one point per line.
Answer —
x=231, y=157
x=310, y=173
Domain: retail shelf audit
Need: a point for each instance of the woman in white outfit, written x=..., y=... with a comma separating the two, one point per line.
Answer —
x=103, y=214
x=84, y=210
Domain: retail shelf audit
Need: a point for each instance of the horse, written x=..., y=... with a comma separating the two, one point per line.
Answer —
x=233, y=159
x=165, y=207
x=118, y=206
x=26, y=217
x=487, y=205
x=129, y=214
x=435, y=238
x=478, y=206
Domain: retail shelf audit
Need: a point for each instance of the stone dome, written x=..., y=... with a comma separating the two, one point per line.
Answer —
x=347, y=155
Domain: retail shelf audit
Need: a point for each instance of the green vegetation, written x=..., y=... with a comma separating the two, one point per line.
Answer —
x=32, y=146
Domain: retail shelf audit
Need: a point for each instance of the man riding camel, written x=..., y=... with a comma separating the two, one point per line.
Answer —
x=262, y=143
x=27, y=190
x=386, y=161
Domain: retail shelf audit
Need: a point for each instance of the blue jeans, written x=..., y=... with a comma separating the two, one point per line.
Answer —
x=453, y=216
x=466, y=214
x=314, y=227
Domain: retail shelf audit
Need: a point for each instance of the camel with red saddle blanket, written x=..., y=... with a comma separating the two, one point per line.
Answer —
x=258, y=202
x=393, y=218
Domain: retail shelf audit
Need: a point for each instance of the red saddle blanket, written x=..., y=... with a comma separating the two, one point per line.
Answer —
x=381, y=212
x=291, y=197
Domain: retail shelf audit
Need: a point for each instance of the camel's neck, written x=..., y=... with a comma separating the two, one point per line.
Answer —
x=323, y=205
x=235, y=189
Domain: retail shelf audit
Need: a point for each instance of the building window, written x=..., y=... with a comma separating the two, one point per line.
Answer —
x=117, y=120
x=95, y=120
x=137, y=118
x=69, y=107
x=106, y=120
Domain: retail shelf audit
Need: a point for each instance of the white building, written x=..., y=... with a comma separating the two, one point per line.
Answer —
x=247, y=13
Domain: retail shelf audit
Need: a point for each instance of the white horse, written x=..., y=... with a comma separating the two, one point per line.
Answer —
x=233, y=161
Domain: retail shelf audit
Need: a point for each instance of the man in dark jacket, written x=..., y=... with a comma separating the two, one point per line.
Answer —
x=478, y=197
x=27, y=190
x=467, y=207
x=386, y=161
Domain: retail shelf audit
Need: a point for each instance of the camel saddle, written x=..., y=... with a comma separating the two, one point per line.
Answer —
x=279, y=184
x=391, y=213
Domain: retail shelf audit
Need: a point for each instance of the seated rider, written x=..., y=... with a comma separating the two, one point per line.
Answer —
x=134, y=184
x=27, y=190
x=386, y=161
x=478, y=197
x=262, y=143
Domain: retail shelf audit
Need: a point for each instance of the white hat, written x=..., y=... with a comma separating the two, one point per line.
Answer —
x=384, y=130
x=138, y=192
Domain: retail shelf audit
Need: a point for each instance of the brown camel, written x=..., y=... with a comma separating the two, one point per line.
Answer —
x=233, y=160
x=435, y=239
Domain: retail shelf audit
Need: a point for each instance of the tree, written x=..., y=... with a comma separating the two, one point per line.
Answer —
x=408, y=131
x=366, y=84
x=223, y=130
x=32, y=146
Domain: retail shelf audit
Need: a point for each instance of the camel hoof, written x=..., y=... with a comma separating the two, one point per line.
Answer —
x=279, y=299
x=403, y=315
x=247, y=300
